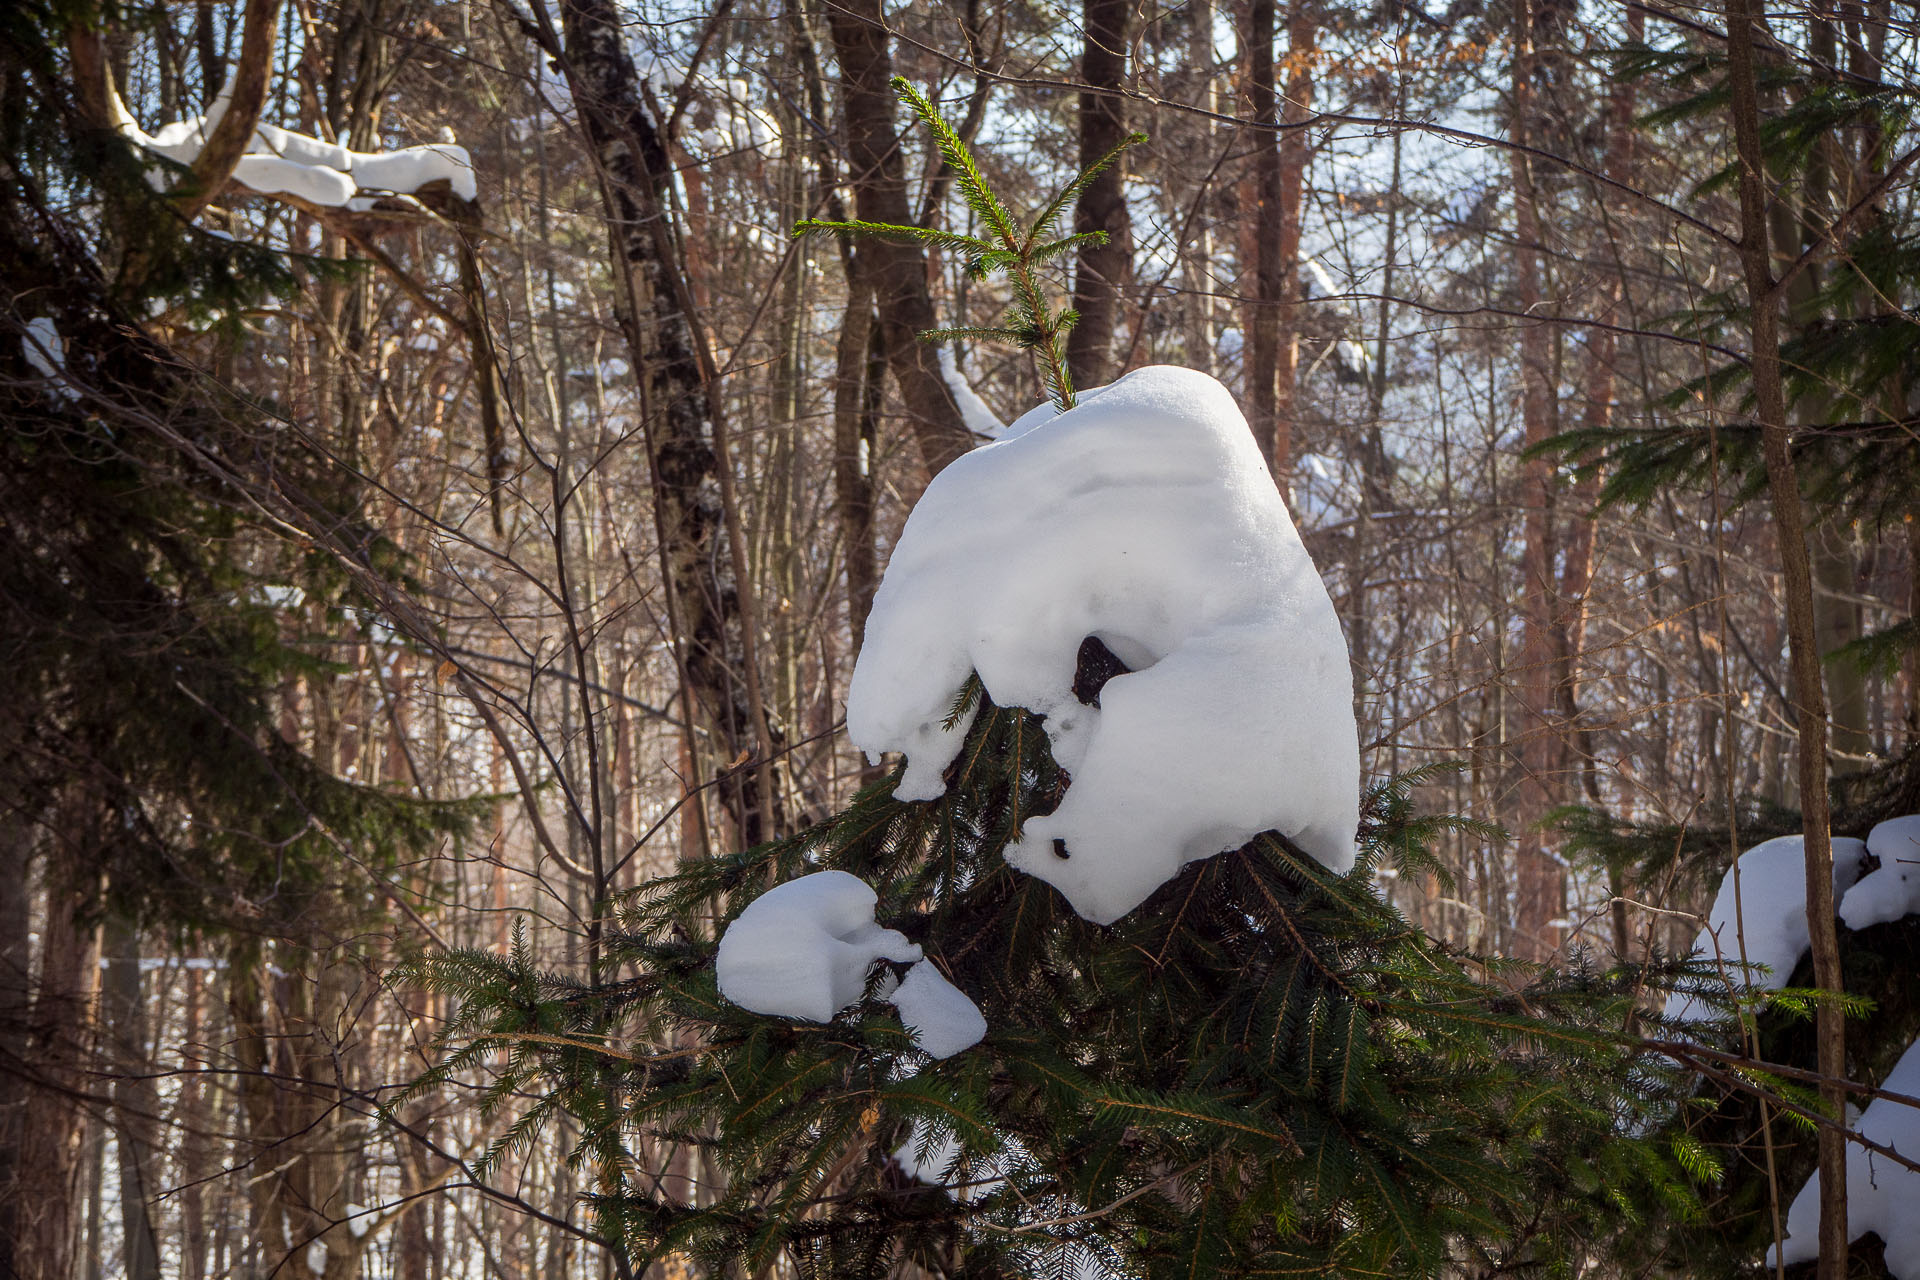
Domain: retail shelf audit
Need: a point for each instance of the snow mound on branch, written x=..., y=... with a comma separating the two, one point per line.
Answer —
x=803, y=949
x=1144, y=517
x=281, y=162
x=1768, y=914
x=940, y=1016
x=1893, y=889
x=974, y=413
x=1882, y=1196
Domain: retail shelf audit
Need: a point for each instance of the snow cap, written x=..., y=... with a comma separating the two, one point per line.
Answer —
x=1144, y=516
x=940, y=1016
x=1882, y=1196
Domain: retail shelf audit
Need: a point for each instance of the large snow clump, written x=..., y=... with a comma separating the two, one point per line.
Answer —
x=1882, y=1195
x=1765, y=922
x=803, y=949
x=1145, y=517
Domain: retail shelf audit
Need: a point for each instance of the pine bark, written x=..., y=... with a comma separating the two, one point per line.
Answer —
x=1263, y=328
x=1283, y=277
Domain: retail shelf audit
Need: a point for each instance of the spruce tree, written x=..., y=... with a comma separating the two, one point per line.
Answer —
x=1261, y=1070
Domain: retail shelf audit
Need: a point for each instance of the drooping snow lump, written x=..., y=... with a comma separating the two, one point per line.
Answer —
x=941, y=1017
x=1145, y=517
x=803, y=949
x=1766, y=920
x=1882, y=1196
x=1892, y=889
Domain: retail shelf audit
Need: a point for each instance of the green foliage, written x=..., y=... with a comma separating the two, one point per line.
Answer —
x=1849, y=336
x=1033, y=323
x=1262, y=1069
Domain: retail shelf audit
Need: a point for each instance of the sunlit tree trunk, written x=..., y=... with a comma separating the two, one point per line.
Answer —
x=896, y=273
x=1280, y=279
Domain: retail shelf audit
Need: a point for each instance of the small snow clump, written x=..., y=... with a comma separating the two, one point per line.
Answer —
x=940, y=1016
x=803, y=949
x=1144, y=517
x=1768, y=915
x=974, y=413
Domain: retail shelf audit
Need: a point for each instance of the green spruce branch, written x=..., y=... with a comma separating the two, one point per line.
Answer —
x=1033, y=323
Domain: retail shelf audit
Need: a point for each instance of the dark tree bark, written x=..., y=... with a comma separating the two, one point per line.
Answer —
x=897, y=273
x=136, y=1103
x=1103, y=269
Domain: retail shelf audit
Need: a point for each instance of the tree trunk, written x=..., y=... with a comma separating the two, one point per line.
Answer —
x=1103, y=269
x=680, y=403
x=1263, y=329
x=897, y=273
x=53, y=1126
x=16, y=1001
x=1541, y=884
x=1809, y=696
x=1281, y=280
x=136, y=1103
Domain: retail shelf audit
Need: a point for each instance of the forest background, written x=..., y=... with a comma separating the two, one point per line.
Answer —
x=454, y=565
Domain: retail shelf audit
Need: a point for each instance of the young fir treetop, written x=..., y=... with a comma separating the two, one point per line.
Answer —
x=1019, y=252
x=1258, y=1069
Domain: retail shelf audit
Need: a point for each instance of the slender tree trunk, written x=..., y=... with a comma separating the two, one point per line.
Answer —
x=853, y=394
x=1104, y=269
x=16, y=1002
x=1281, y=280
x=54, y=1129
x=680, y=406
x=1540, y=881
x=135, y=1101
x=1263, y=329
x=1809, y=695
x=1197, y=268
x=1576, y=570
x=897, y=273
